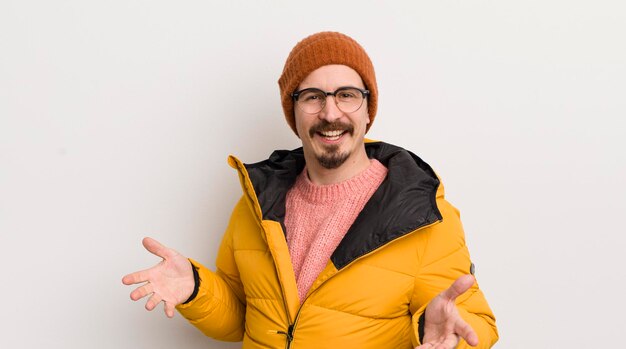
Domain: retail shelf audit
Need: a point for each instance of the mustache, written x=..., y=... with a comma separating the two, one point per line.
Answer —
x=324, y=125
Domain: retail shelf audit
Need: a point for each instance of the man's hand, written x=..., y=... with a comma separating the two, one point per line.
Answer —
x=170, y=281
x=443, y=324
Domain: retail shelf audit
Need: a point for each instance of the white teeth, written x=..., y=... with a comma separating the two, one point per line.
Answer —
x=332, y=134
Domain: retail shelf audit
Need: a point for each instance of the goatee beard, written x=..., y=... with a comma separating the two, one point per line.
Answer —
x=331, y=158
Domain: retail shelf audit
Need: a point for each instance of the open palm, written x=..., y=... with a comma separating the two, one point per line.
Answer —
x=170, y=281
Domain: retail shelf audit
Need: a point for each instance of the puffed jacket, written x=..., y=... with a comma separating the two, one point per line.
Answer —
x=405, y=247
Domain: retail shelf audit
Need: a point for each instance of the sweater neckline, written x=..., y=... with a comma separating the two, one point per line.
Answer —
x=352, y=186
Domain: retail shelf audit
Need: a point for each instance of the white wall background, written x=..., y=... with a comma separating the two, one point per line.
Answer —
x=116, y=118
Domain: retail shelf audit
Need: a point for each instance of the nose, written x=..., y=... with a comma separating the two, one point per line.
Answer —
x=330, y=112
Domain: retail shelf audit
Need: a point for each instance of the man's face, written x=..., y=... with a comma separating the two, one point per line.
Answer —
x=332, y=136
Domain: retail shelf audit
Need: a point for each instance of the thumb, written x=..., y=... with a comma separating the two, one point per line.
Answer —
x=156, y=248
x=460, y=286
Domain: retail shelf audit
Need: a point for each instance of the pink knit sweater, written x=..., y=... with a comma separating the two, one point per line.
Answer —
x=318, y=216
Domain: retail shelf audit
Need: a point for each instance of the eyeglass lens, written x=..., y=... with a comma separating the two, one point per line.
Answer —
x=312, y=101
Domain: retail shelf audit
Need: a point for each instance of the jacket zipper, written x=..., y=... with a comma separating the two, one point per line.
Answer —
x=292, y=327
x=288, y=334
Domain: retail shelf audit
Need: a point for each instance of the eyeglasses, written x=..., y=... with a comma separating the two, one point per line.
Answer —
x=313, y=100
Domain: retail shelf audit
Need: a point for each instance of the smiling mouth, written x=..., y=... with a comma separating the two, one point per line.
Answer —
x=330, y=132
x=331, y=135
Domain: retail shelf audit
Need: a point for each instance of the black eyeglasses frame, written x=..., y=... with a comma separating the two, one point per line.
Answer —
x=296, y=94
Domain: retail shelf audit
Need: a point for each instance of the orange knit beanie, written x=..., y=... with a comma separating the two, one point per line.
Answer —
x=319, y=50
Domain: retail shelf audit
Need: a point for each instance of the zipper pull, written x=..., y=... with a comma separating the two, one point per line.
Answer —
x=290, y=333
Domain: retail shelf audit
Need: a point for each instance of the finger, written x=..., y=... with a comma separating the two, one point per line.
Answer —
x=466, y=332
x=141, y=292
x=460, y=286
x=136, y=277
x=156, y=248
x=153, y=302
x=169, y=309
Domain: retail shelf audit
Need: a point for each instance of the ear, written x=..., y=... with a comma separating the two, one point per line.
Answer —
x=296, y=133
x=295, y=126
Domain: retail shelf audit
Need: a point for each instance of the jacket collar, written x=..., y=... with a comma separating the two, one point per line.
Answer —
x=404, y=202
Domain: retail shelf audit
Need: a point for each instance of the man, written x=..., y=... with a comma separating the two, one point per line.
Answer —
x=343, y=243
